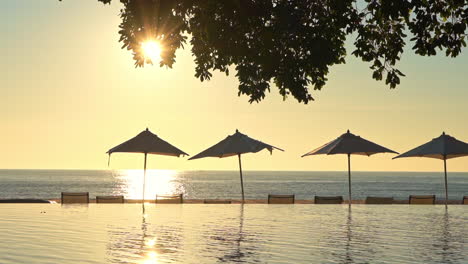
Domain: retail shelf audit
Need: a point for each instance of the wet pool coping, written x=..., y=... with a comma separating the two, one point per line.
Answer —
x=252, y=201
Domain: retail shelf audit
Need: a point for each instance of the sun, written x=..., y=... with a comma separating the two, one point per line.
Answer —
x=152, y=50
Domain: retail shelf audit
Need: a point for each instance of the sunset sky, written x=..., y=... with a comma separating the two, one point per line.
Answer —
x=69, y=93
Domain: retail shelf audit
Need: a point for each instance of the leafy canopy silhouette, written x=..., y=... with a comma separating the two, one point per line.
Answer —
x=292, y=43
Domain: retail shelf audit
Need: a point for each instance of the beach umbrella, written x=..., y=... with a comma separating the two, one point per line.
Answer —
x=443, y=147
x=147, y=143
x=235, y=145
x=349, y=144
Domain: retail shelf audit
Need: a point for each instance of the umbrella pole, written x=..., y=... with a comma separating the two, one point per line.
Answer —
x=446, y=184
x=144, y=179
x=349, y=177
x=242, y=181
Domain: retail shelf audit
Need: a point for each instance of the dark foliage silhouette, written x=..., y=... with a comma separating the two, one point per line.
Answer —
x=292, y=43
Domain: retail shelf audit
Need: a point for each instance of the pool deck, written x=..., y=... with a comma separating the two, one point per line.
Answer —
x=262, y=201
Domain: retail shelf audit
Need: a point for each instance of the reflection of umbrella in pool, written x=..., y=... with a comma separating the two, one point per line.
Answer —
x=349, y=235
x=446, y=238
x=349, y=144
x=238, y=255
x=147, y=143
x=235, y=145
x=130, y=244
x=444, y=147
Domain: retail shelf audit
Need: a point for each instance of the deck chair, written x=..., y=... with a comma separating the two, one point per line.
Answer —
x=379, y=200
x=169, y=199
x=79, y=197
x=328, y=199
x=110, y=199
x=421, y=199
x=215, y=201
x=465, y=200
x=281, y=198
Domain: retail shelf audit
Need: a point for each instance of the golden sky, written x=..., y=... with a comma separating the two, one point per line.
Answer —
x=69, y=93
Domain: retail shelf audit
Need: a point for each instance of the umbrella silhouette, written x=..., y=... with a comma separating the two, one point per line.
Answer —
x=349, y=144
x=147, y=143
x=443, y=147
x=235, y=145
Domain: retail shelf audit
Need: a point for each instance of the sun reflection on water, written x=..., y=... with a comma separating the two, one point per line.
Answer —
x=151, y=258
x=157, y=182
x=150, y=242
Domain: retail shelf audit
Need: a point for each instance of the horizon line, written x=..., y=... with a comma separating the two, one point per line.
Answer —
x=72, y=169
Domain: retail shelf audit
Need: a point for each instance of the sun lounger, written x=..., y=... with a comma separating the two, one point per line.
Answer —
x=328, y=199
x=465, y=200
x=80, y=197
x=23, y=201
x=422, y=199
x=216, y=201
x=379, y=200
x=169, y=199
x=281, y=198
x=110, y=199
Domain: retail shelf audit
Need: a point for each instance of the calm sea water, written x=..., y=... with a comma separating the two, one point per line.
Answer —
x=253, y=233
x=47, y=184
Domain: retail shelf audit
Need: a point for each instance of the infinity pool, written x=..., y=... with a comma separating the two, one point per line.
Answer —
x=260, y=233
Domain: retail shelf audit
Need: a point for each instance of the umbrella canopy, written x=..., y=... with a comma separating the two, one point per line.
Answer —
x=147, y=143
x=235, y=145
x=443, y=147
x=349, y=144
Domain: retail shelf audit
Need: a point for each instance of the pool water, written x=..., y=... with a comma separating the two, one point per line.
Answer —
x=257, y=233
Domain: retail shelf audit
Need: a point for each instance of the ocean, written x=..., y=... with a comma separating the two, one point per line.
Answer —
x=47, y=184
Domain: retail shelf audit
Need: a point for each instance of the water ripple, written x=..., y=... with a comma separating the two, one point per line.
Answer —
x=198, y=233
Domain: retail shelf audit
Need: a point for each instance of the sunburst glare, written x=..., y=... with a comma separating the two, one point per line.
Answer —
x=152, y=50
x=157, y=182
